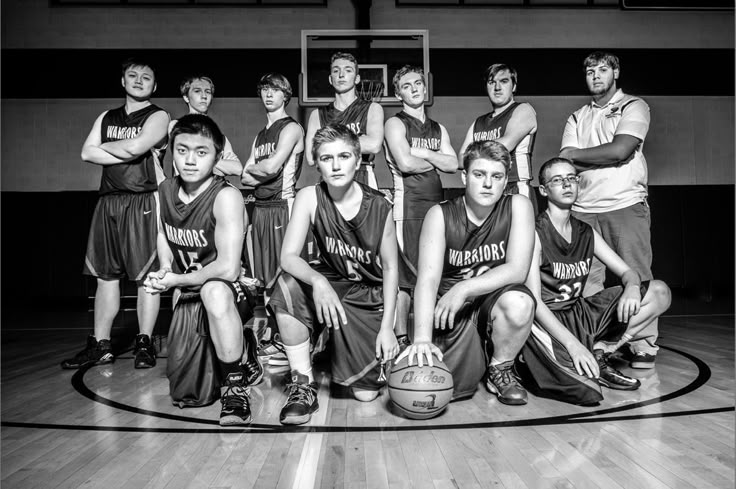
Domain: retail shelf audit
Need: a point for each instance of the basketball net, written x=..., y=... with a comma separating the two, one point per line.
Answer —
x=370, y=90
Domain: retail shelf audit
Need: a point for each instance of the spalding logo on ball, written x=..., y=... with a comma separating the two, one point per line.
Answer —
x=420, y=392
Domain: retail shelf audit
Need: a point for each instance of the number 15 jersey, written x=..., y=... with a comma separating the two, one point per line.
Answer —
x=564, y=267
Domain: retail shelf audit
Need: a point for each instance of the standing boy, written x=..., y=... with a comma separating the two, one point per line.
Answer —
x=198, y=93
x=511, y=123
x=363, y=117
x=128, y=143
x=416, y=149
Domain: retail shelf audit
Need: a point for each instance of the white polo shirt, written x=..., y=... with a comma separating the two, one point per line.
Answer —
x=609, y=188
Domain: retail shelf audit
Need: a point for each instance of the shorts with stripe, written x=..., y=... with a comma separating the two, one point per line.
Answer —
x=463, y=345
x=269, y=221
x=353, y=345
x=589, y=319
x=366, y=176
x=122, y=237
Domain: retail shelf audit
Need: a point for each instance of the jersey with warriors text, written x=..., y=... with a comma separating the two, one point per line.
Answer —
x=489, y=128
x=190, y=228
x=472, y=250
x=351, y=249
x=416, y=193
x=283, y=184
x=139, y=174
x=564, y=267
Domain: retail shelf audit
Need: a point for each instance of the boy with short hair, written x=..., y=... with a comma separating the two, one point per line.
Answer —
x=363, y=117
x=417, y=148
x=199, y=244
x=353, y=288
x=474, y=255
x=198, y=92
x=571, y=326
x=128, y=142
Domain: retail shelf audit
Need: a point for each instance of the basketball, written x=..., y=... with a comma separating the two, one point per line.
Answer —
x=420, y=392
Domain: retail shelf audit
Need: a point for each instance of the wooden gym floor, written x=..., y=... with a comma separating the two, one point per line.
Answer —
x=115, y=427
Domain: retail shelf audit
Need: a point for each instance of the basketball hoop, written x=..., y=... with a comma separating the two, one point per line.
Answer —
x=370, y=90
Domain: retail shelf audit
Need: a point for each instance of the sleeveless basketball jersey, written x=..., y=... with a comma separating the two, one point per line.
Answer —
x=190, y=228
x=414, y=194
x=489, y=128
x=355, y=117
x=351, y=249
x=283, y=184
x=138, y=175
x=472, y=250
x=564, y=266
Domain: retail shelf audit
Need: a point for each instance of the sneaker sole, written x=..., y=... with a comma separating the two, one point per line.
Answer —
x=278, y=362
x=299, y=419
x=235, y=421
x=618, y=387
x=504, y=400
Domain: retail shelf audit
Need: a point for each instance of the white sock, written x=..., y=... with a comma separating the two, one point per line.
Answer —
x=300, y=359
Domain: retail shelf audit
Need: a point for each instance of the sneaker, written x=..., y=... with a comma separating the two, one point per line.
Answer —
x=145, y=353
x=235, y=401
x=272, y=352
x=502, y=381
x=643, y=360
x=404, y=342
x=251, y=362
x=95, y=353
x=301, y=401
x=612, y=378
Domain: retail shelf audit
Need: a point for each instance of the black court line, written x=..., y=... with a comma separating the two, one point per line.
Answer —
x=704, y=374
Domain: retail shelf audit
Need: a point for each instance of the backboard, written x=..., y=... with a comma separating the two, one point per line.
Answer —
x=380, y=53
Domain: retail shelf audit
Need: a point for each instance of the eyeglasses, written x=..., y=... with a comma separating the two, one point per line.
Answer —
x=557, y=181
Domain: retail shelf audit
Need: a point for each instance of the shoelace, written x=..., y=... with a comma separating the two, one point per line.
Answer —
x=300, y=393
x=503, y=376
x=234, y=397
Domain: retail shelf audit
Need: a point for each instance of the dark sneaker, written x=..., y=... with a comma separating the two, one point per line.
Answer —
x=502, y=381
x=235, y=401
x=301, y=401
x=272, y=352
x=403, y=341
x=643, y=360
x=95, y=353
x=250, y=361
x=612, y=378
x=145, y=353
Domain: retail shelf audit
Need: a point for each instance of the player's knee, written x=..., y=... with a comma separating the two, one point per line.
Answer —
x=516, y=309
x=364, y=395
x=661, y=295
x=216, y=298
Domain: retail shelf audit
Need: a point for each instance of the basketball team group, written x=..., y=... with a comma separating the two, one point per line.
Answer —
x=501, y=293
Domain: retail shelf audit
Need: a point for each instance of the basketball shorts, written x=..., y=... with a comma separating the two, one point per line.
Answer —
x=463, y=345
x=525, y=188
x=589, y=319
x=366, y=176
x=193, y=368
x=353, y=346
x=407, y=231
x=122, y=237
x=270, y=218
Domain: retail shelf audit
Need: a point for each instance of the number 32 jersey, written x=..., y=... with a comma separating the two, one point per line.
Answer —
x=564, y=267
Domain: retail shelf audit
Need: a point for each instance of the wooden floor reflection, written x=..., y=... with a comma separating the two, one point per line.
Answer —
x=113, y=426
